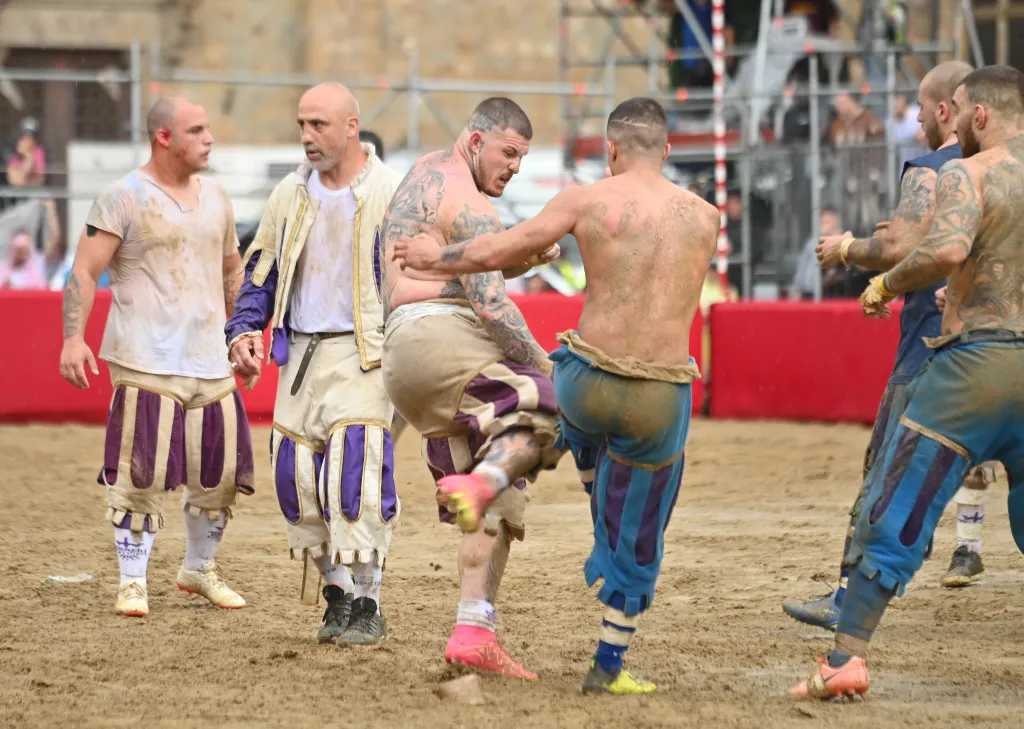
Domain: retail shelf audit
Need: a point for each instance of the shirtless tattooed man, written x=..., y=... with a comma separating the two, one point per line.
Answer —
x=966, y=406
x=461, y=366
x=622, y=380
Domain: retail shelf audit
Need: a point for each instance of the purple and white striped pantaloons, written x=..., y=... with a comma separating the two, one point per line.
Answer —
x=164, y=431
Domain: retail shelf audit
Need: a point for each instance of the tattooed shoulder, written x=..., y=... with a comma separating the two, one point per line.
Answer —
x=470, y=223
x=917, y=195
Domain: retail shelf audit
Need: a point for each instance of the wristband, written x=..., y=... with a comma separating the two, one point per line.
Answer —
x=885, y=291
x=844, y=249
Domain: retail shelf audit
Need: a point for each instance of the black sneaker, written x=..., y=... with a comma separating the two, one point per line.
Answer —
x=964, y=568
x=338, y=614
x=367, y=627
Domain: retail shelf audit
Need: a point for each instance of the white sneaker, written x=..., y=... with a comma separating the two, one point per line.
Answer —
x=208, y=583
x=132, y=600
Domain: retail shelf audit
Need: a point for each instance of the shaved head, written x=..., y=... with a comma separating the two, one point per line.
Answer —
x=329, y=123
x=935, y=97
x=639, y=127
x=161, y=115
x=180, y=128
x=334, y=96
x=941, y=81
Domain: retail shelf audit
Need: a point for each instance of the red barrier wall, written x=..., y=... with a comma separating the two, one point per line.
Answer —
x=799, y=361
x=31, y=388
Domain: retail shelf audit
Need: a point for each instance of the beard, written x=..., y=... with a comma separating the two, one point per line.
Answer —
x=969, y=145
x=933, y=135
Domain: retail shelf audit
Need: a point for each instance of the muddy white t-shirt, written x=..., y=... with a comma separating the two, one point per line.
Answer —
x=168, y=314
x=322, y=289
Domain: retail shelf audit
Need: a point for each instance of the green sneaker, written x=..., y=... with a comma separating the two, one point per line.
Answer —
x=338, y=614
x=599, y=681
x=367, y=626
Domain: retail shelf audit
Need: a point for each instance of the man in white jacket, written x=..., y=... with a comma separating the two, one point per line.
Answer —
x=313, y=274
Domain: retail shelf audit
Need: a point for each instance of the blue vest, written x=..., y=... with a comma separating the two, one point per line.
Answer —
x=920, y=316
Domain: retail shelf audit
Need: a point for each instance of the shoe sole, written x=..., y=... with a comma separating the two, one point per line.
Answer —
x=133, y=614
x=485, y=672
x=960, y=581
x=829, y=628
x=190, y=591
x=363, y=644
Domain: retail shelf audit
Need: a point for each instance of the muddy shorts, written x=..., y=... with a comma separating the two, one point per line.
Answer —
x=626, y=425
x=964, y=408
x=164, y=431
x=452, y=383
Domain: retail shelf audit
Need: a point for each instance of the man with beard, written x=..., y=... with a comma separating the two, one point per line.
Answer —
x=920, y=318
x=966, y=406
x=312, y=274
x=463, y=369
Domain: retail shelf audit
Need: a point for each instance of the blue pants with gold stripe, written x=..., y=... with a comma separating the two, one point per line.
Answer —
x=627, y=437
x=964, y=408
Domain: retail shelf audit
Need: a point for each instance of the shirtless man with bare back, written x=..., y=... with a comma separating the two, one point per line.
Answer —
x=966, y=406
x=460, y=366
x=623, y=380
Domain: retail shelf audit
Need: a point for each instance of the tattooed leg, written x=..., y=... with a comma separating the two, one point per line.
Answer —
x=510, y=457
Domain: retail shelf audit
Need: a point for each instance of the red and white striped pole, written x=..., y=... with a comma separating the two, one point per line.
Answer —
x=718, y=92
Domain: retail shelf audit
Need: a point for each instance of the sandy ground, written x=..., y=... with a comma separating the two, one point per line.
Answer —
x=762, y=511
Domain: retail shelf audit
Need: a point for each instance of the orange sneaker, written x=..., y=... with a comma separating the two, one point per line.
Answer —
x=479, y=648
x=829, y=683
x=467, y=496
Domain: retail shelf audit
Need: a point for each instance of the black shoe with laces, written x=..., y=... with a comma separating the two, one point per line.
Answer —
x=964, y=568
x=338, y=614
x=367, y=627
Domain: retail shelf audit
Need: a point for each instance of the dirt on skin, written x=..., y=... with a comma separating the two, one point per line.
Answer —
x=763, y=509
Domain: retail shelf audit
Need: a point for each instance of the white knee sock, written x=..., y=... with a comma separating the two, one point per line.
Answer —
x=367, y=579
x=497, y=478
x=969, y=518
x=334, y=574
x=478, y=613
x=203, y=538
x=133, y=553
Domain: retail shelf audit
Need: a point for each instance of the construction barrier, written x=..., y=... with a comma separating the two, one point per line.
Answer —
x=32, y=388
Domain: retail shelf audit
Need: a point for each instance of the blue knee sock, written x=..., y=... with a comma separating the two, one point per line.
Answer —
x=863, y=606
x=609, y=657
x=617, y=631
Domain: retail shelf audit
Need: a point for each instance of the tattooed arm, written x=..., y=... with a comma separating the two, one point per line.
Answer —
x=486, y=294
x=232, y=281
x=495, y=250
x=958, y=211
x=909, y=224
x=95, y=249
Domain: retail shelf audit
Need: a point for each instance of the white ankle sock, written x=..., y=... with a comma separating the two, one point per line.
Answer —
x=203, y=538
x=498, y=478
x=478, y=613
x=969, y=518
x=366, y=578
x=334, y=574
x=133, y=553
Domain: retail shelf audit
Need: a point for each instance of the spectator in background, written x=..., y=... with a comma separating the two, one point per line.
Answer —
x=24, y=268
x=365, y=135
x=26, y=167
x=904, y=129
x=858, y=136
x=805, y=277
x=696, y=72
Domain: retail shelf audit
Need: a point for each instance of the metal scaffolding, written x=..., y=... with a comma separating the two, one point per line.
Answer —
x=758, y=95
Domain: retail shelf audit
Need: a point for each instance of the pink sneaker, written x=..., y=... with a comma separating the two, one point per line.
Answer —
x=479, y=648
x=467, y=496
x=829, y=683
